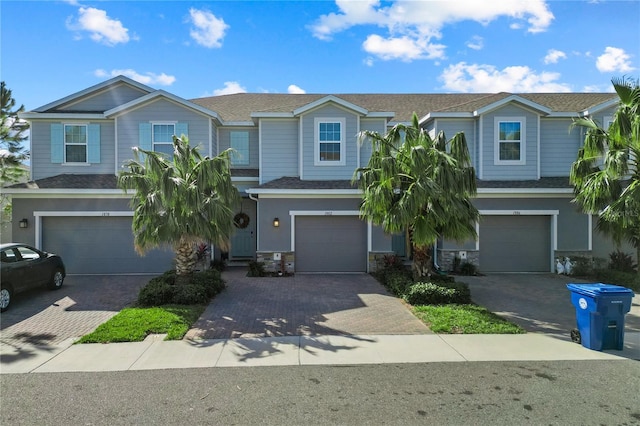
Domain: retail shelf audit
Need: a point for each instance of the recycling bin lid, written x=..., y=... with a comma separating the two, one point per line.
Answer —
x=599, y=289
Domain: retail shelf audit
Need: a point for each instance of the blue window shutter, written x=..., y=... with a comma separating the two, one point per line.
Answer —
x=144, y=140
x=182, y=129
x=57, y=143
x=93, y=143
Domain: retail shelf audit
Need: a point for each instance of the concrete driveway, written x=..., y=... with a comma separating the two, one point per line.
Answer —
x=537, y=302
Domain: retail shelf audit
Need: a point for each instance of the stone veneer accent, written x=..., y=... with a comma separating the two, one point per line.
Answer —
x=446, y=257
x=271, y=265
x=376, y=259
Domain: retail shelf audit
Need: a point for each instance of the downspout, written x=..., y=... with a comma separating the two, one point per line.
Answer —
x=435, y=256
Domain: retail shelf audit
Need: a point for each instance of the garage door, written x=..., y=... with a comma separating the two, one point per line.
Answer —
x=99, y=245
x=330, y=244
x=515, y=244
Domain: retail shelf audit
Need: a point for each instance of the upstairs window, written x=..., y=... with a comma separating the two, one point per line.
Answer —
x=240, y=145
x=330, y=145
x=162, y=138
x=510, y=141
x=75, y=143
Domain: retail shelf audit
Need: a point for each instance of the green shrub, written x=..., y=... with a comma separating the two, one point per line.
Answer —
x=210, y=280
x=582, y=266
x=398, y=282
x=189, y=294
x=162, y=290
x=468, y=268
x=156, y=293
x=621, y=261
x=218, y=265
x=437, y=278
x=428, y=293
x=624, y=279
x=256, y=269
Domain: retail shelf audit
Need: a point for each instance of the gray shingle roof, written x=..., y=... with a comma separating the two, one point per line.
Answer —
x=238, y=107
x=543, y=183
x=70, y=181
x=290, y=182
x=97, y=181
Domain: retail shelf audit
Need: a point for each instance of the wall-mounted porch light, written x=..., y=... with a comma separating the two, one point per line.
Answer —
x=276, y=222
x=24, y=223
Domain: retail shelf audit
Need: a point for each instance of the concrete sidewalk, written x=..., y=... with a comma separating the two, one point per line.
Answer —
x=154, y=353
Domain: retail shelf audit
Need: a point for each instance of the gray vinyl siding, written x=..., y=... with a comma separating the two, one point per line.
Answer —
x=527, y=171
x=451, y=127
x=224, y=142
x=558, y=146
x=312, y=172
x=106, y=100
x=375, y=125
x=280, y=148
x=160, y=110
x=41, y=165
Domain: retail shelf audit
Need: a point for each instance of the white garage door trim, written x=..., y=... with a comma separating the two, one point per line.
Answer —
x=40, y=214
x=294, y=213
x=554, y=226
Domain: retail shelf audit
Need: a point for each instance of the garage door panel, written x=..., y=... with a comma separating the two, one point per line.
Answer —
x=100, y=245
x=331, y=244
x=515, y=244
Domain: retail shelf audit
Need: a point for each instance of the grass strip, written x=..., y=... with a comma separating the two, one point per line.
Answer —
x=464, y=319
x=134, y=324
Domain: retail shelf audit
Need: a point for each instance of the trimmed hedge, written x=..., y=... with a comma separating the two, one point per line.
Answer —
x=428, y=293
x=162, y=290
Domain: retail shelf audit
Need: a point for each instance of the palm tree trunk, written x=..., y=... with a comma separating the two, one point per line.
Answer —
x=185, y=261
x=422, y=258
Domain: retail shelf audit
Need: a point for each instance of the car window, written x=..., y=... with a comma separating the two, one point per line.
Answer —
x=9, y=256
x=28, y=254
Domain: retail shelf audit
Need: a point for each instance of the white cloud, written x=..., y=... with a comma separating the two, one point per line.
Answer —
x=230, y=87
x=207, y=30
x=293, y=89
x=475, y=43
x=148, y=78
x=553, y=56
x=470, y=78
x=100, y=26
x=416, y=24
x=404, y=48
x=614, y=59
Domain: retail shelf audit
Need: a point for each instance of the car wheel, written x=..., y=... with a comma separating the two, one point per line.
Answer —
x=5, y=298
x=56, y=279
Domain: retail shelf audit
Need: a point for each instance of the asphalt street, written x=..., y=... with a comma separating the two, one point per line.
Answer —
x=478, y=393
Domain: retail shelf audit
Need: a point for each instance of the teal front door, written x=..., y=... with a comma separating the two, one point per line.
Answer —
x=242, y=243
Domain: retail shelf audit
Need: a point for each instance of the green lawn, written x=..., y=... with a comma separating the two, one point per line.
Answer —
x=134, y=324
x=464, y=319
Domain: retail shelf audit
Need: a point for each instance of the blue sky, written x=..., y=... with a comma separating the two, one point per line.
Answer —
x=51, y=49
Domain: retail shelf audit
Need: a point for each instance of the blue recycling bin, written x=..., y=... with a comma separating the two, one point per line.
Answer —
x=600, y=311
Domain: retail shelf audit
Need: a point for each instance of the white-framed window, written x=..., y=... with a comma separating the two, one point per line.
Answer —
x=240, y=144
x=162, y=137
x=510, y=141
x=329, y=142
x=75, y=143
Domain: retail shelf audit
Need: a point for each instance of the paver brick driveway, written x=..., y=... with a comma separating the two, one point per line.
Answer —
x=41, y=317
x=537, y=302
x=304, y=304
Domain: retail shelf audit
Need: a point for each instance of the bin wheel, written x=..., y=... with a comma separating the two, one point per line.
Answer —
x=575, y=336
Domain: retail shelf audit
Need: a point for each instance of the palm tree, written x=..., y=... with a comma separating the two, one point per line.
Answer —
x=606, y=174
x=181, y=201
x=421, y=184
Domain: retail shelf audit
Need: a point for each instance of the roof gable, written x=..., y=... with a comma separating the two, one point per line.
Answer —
x=158, y=94
x=93, y=90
